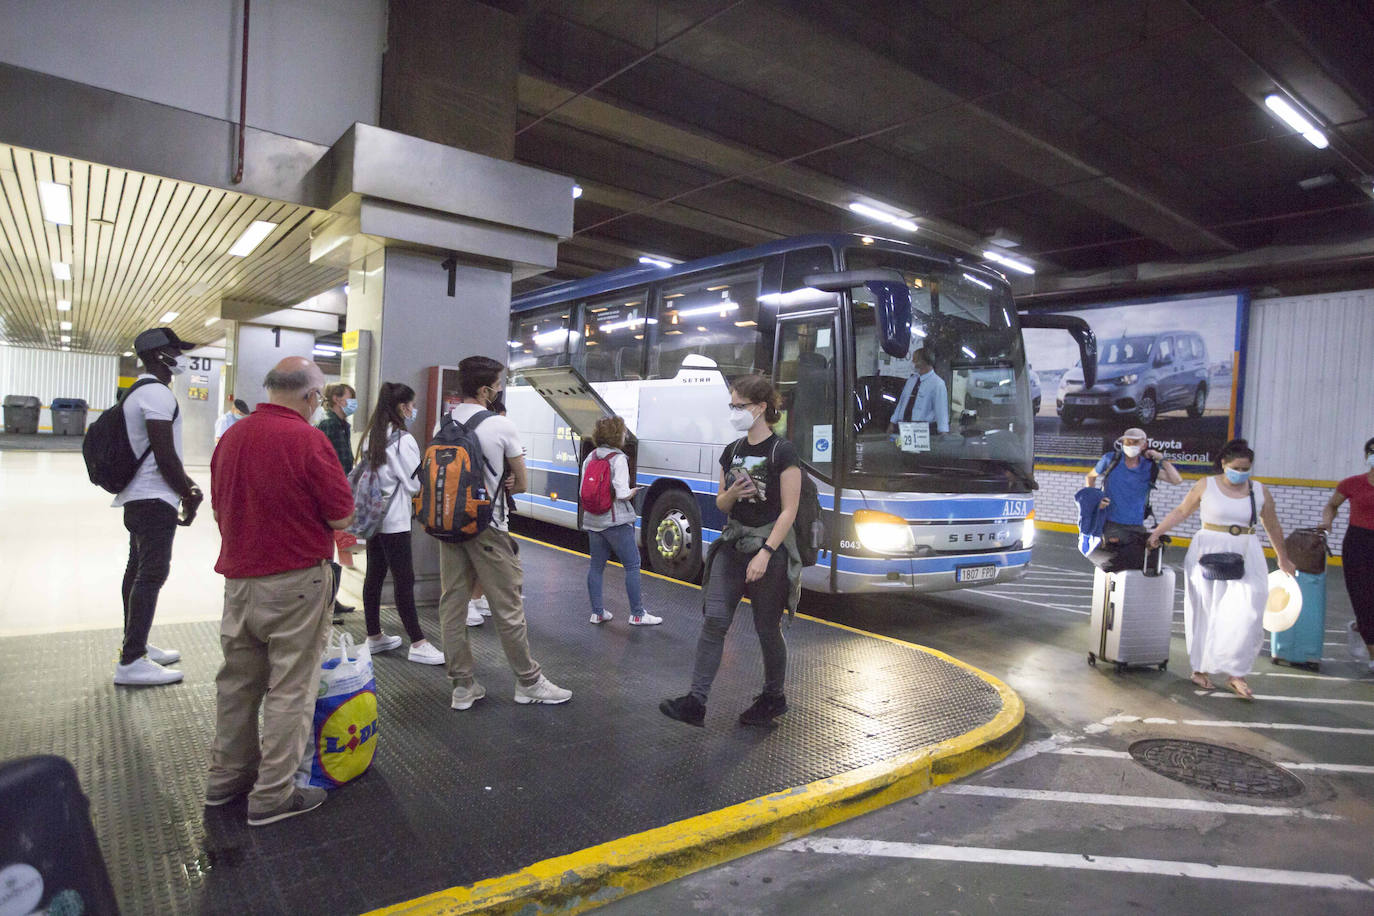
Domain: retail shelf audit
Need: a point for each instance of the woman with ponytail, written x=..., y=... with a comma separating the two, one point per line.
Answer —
x=1223, y=602
x=394, y=455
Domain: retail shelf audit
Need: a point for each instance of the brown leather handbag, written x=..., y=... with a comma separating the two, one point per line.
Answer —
x=1308, y=550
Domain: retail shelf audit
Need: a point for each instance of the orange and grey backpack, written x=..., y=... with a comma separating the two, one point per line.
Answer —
x=453, y=503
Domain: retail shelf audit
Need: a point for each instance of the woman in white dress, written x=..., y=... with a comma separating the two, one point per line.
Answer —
x=1223, y=619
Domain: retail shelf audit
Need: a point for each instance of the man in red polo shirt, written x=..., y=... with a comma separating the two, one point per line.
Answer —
x=277, y=489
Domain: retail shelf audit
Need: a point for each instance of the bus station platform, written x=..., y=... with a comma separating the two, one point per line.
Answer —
x=508, y=808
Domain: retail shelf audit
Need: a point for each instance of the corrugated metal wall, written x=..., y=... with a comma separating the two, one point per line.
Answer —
x=1309, y=384
x=48, y=374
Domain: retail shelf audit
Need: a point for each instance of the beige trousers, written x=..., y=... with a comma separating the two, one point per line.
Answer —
x=273, y=634
x=491, y=559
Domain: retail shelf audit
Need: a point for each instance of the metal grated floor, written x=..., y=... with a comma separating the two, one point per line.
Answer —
x=455, y=797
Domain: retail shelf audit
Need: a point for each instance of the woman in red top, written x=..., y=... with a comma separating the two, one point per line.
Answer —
x=1357, y=552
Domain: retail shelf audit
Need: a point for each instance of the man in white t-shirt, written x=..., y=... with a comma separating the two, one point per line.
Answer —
x=491, y=556
x=150, y=502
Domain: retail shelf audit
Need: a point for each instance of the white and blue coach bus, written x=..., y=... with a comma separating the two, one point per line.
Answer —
x=833, y=319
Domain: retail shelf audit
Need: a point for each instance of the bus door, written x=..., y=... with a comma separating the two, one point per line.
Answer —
x=574, y=400
x=805, y=371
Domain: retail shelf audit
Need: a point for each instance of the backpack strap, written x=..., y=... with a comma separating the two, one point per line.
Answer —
x=1254, y=516
x=470, y=425
x=176, y=412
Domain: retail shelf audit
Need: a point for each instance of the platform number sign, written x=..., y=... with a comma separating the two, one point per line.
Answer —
x=201, y=363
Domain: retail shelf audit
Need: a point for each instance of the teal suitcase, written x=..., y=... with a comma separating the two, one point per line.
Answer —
x=1301, y=644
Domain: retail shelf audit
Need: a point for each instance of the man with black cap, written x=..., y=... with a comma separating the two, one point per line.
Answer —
x=152, y=419
x=237, y=410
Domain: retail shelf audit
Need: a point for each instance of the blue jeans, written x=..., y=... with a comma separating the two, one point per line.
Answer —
x=621, y=540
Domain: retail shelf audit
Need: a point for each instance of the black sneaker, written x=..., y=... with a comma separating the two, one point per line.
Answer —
x=685, y=709
x=765, y=709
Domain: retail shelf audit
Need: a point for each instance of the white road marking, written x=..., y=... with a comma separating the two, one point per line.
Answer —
x=1275, y=698
x=1136, y=801
x=1314, y=677
x=1081, y=861
x=1107, y=723
x=1035, y=748
x=1353, y=769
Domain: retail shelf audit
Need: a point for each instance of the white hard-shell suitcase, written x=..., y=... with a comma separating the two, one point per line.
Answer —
x=1132, y=614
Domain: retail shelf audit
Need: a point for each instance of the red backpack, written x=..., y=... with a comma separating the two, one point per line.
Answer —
x=597, y=495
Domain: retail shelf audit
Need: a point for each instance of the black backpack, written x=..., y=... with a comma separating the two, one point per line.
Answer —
x=110, y=459
x=808, y=526
x=1154, y=478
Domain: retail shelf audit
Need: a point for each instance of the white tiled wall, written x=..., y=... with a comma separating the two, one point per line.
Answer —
x=1298, y=507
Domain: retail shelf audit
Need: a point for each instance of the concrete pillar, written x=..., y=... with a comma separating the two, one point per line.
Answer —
x=257, y=348
x=401, y=296
x=448, y=74
x=200, y=395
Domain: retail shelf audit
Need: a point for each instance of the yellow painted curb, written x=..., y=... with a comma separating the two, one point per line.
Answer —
x=589, y=878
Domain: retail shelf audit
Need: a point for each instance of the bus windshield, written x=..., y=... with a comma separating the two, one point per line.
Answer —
x=966, y=425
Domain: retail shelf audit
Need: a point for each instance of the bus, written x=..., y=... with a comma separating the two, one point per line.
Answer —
x=906, y=505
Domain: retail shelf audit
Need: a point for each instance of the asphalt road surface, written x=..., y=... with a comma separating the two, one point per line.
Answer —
x=1071, y=823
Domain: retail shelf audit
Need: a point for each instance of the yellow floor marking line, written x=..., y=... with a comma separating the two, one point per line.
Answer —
x=589, y=878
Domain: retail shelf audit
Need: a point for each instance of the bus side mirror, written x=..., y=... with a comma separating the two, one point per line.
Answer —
x=891, y=295
x=1081, y=331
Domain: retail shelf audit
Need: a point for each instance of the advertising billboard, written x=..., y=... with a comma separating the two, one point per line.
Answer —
x=1167, y=366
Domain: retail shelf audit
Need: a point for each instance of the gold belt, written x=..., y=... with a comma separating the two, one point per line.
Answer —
x=1228, y=529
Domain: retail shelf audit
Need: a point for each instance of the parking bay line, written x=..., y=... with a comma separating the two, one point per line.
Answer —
x=1347, y=768
x=1135, y=801
x=1275, y=698
x=1080, y=861
x=1108, y=722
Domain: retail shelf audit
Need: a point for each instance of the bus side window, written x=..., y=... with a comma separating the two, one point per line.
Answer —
x=714, y=316
x=540, y=338
x=613, y=335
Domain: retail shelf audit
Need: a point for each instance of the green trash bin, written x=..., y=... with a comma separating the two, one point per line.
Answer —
x=21, y=414
x=68, y=417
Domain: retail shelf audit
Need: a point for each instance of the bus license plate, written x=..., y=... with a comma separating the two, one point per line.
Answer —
x=975, y=573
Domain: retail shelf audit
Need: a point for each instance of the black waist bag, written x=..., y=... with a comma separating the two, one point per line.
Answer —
x=1222, y=565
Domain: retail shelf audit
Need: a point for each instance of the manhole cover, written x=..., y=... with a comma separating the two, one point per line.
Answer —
x=1216, y=768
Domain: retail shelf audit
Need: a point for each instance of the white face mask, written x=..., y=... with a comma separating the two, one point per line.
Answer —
x=741, y=418
x=1130, y=451
x=1369, y=459
x=183, y=362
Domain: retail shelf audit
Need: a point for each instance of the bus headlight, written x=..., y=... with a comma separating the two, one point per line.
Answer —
x=881, y=532
x=1028, y=531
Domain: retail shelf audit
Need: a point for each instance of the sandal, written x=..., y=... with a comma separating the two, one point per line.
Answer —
x=1203, y=681
x=1240, y=688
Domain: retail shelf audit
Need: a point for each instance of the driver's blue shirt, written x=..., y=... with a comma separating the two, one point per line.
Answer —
x=1127, y=488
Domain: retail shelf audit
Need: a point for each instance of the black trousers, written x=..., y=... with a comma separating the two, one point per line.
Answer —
x=391, y=552
x=1357, y=561
x=151, y=524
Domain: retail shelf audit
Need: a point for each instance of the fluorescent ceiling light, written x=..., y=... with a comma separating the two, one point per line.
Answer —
x=210, y=321
x=327, y=349
x=57, y=202
x=64, y=305
x=969, y=353
x=251, y=238
x=128, y=352
x=558, y=335
x=61, y=270
x=66, y=338
x=972, y=279
x=883, y=216
x=1009, y=262
x=169, y=317
x=723, y=306
x=64, y=325
x=805, y=295
x=627, y=323
x=577, y=191
x=513, y=343
x=655, y=262
x=1285, y=112
x=64, y=347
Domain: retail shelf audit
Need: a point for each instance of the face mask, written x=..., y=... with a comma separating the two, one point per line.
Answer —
x=409, y=417
x=1369, y=459
x=741, y=418
x=1130, y=451
x=350, y=407
x=1234, y=476
x=180, y=364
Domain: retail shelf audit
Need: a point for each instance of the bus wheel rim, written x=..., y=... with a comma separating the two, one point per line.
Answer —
x=671, y=537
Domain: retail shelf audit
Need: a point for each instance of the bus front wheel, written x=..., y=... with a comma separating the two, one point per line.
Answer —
x=672, y=534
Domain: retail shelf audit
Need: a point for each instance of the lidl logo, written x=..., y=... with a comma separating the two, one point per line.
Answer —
x=346, y=739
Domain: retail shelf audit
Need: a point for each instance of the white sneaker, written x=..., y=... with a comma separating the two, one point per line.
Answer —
x=542, y=691
x=644, y=620
x=144, y=672
x=474, y=614
x=1354, y=642
x=382, y=643
x=482, y=605
x=464, y=697
x=163, y=656
x=601, y=617
x=426, y=654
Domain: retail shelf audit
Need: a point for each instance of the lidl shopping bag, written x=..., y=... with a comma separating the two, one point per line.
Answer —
x=343, y=735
